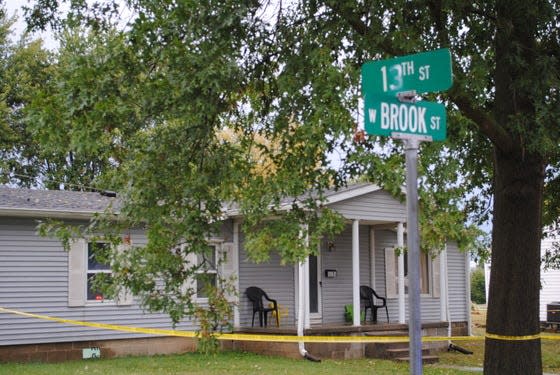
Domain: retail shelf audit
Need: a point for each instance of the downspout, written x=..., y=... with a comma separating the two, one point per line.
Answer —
x=301, y=306
x=301, y=314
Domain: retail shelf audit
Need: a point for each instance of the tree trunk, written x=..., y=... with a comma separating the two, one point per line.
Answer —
x=513, y=308
x=513, y=304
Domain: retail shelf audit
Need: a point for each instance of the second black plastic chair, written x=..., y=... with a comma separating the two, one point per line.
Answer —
x=371, y=300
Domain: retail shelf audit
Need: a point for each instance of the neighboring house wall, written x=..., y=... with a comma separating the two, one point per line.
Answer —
x=34, y=278
x=550, y=281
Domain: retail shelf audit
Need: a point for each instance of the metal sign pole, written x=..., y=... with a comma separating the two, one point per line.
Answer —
x=404, y=118
x=413, y=244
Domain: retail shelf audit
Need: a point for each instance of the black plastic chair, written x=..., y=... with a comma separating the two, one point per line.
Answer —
x=369, y=298
x=256, y=295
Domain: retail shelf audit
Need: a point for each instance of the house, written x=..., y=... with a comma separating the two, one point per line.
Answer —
x=38, y=276
x=550, y=283
x=550, y=286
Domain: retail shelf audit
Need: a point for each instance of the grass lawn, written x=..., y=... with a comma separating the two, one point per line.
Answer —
x=245, y=363
x=225, y=363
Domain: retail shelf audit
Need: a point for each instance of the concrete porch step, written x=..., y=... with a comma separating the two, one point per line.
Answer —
x=396, y=351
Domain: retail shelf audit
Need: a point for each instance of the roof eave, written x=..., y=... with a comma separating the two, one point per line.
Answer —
x=46, y=213
x=348, y=194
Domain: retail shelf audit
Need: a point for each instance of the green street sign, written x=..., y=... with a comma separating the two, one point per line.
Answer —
x=387, y=116
x=423, y=72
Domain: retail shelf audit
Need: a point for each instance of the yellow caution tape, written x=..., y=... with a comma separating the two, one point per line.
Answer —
x=494, y=336
x=274, y=338
x=114, y=327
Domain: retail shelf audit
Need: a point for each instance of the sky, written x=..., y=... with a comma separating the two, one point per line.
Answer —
x=14, y=7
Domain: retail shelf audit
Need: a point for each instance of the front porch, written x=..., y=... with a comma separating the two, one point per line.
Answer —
x=333, y=350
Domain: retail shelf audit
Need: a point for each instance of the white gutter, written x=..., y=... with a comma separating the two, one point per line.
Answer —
x=42, y=213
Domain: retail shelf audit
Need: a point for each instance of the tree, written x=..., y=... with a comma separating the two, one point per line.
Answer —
x=37, y=150
x=24, y=67
x=291, y=73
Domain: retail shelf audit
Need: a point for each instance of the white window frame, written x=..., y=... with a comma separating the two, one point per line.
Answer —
x=391, y=274
x=217, y=245
x=89, y=272
x=78, y=273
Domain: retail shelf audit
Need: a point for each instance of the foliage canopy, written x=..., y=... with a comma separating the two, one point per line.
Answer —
x=150, y=98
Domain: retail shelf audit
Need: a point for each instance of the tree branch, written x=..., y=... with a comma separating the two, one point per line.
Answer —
x=486, y=124
x=354, y=20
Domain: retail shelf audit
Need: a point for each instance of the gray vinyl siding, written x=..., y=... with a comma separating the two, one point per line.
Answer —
x=378, y=206
x=337, y=292
x=34, y=279
x=275, y=279
x=457, y=283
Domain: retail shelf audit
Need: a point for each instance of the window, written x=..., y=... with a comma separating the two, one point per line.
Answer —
x=207, y=274
x=87, y=260
x=429, y=274
x=424, y=272
x=98, y=266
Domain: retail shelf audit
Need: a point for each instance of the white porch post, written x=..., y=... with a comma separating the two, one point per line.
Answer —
x=236, y=317
x=443, y=285
x=356, y=271
x=306, y=320
x=400, y=272
x=372, y=257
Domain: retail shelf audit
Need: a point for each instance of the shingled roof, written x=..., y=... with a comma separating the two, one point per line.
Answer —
x=55, y=202
x=64, y=203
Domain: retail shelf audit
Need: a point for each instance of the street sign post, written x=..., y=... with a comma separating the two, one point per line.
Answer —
x=423, y=72
x=385, y=116
x=389, y=88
